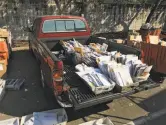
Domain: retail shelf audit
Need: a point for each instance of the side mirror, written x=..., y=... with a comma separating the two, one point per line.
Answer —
x=28, y=29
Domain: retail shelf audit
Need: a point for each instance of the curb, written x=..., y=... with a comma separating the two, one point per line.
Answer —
x=144, y=119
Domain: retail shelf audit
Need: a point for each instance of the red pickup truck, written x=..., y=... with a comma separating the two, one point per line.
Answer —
x=58, y=74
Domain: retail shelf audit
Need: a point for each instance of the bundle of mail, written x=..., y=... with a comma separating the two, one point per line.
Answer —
x=95, y=79
x=84, y=53
x=124, y=70
x=112, y=67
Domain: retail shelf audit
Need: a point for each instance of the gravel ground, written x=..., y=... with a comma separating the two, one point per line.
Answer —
x=32, y=97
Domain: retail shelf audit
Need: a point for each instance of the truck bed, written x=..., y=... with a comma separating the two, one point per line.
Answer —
x=80, y=93
x=83, y=97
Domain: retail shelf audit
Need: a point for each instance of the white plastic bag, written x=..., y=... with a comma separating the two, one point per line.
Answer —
x=13, y=121
x=102, y=121
x=45, y=118
x=84, y=68
x=105, y=121
x=60, y=117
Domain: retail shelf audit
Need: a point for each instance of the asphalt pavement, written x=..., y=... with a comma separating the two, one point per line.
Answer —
x=32, y=97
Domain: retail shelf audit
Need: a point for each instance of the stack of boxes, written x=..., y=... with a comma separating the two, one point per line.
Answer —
x=134, y=41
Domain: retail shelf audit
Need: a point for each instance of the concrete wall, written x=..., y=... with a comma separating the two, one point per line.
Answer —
x=106, y=18
x=101, y=17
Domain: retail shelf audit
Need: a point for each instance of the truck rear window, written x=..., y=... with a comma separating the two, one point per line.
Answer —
x=63, y=26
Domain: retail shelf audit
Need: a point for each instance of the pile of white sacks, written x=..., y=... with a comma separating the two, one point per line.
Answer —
x=117, y=68
x=51, y=117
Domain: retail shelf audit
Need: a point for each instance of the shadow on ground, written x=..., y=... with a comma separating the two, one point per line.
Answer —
x=32, y=97
x=151, y=104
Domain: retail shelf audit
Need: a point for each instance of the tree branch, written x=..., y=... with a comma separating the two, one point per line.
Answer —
x=62, y=9
x=66, y=5
x=132, y=19
x=57, y=2
x=154, y=8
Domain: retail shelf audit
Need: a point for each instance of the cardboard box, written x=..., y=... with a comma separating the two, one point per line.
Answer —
x=4, y=33
x=137, y=38
x=2, y=40
x=134, y=41
x=154, y=39
x=3, y=68
x=163, y=43
x=120, y=41
x=131, y=37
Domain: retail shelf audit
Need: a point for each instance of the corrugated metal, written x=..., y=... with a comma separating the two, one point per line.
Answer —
x=155, y=55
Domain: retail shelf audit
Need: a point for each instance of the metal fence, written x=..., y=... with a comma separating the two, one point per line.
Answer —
x=101, y=18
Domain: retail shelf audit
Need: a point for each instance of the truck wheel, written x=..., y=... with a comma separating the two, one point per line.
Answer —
x=42, y=79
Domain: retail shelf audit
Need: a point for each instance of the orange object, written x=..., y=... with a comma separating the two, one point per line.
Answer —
x=158, y=32
x=79, y=50
x=154, y=55
x=58, y=75
x=146, y=33
x=4, y=51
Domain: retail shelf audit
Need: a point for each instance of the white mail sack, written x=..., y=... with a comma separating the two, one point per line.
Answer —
x=50, y=117
x=102, y=121
x=97, y=82
x=13, y=121
x=120, y=75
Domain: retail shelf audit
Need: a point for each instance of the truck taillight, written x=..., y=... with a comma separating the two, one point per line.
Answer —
x=58, y=78
x=58, y=72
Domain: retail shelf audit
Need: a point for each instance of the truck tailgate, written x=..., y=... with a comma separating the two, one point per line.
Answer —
x=83, y=97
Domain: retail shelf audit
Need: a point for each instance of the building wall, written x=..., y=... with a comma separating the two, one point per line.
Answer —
x=101, y=17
